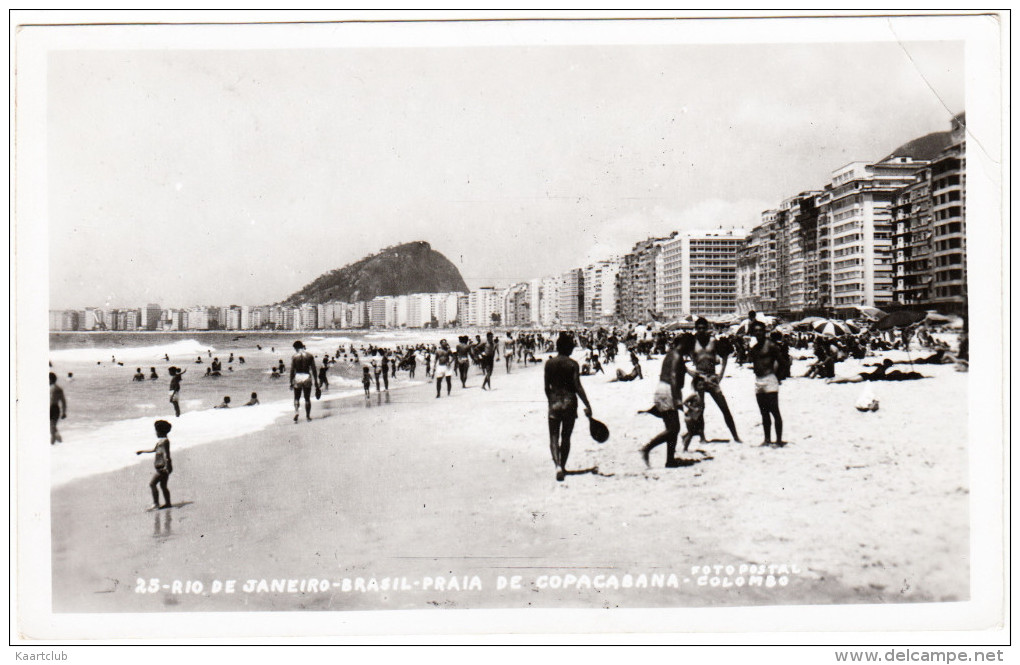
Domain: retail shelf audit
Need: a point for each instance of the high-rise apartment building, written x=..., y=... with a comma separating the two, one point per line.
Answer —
x=571, y=297
x=639, y=283
x=700, y=273
x=600, y=291
x=860, y=229
x=949, y=202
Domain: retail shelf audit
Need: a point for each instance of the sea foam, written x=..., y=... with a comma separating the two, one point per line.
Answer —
x=112, y=446
x=185, y=348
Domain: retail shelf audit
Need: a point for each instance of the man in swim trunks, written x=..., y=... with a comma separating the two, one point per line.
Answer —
x=667, y=399
x=764, y=357
x=443, y=369
x=175, y=389
x=302, y=376
x=562, y=388
x=58, y=408
x=706, y=352
x=489, y=352
x=509, y=347
x=463, y=359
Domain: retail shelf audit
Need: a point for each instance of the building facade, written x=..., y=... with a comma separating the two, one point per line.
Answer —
x=700, y=273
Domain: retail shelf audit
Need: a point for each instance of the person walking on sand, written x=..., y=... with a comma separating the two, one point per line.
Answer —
x=705, y=352
x=765, y=358
x=375, y=373
x=175, y=389
x=302, y=375
x=366, y=381
x=667, y=399
x=58, y=408
x=508, y=350
x=386, y=370
x=562, y=388
x=443, y=369
x=164, y=465
x=463, y=359
x=489, y=352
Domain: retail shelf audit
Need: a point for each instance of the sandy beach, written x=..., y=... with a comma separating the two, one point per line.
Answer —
x=405, y=501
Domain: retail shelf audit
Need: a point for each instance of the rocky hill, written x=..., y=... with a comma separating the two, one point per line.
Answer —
x=413, y=267
x=925, y=147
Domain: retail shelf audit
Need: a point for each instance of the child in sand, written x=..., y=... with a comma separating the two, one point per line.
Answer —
x=225, y=404
x=366, y=380
x=254, y=400
x=694, y=412
x=164, y=465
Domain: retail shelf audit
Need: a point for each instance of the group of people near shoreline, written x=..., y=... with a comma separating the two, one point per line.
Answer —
x=701, y=356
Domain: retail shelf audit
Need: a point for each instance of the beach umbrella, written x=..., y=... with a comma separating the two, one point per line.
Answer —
x=728, y=319
x=937, y=319
x=852, y=326
x=743, y=328
x=870, y=313
x=830, y=327
x=900, y=319
x=807, y=322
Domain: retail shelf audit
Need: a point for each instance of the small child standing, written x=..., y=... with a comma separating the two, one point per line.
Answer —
x=164, y=465
x=694, y=419
x=366, y=379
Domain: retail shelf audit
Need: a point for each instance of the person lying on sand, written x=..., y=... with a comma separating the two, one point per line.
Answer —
x=883, y=373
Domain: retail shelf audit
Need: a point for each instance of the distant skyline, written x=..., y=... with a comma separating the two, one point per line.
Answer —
x=188, y=177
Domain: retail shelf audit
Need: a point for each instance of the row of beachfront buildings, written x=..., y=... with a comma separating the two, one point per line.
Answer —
x=694, y=272
x=890, y=234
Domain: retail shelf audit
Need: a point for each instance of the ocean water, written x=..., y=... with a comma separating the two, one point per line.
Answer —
x=110, y=416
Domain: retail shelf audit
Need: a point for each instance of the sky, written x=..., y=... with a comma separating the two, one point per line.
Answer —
x=182, y=176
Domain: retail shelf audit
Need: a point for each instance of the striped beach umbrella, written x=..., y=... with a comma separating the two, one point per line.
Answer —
x=743, y=328
x=831, y=328
x=853, y=326
x=870, y=313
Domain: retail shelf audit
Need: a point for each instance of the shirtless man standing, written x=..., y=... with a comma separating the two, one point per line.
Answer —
x=443, y=369
x=508, y=350
x=58, y=408
x=668, y=398
x=706, y=352
x=489, y=352
x=302, y=375
x=463, y=359
x=765, y=361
